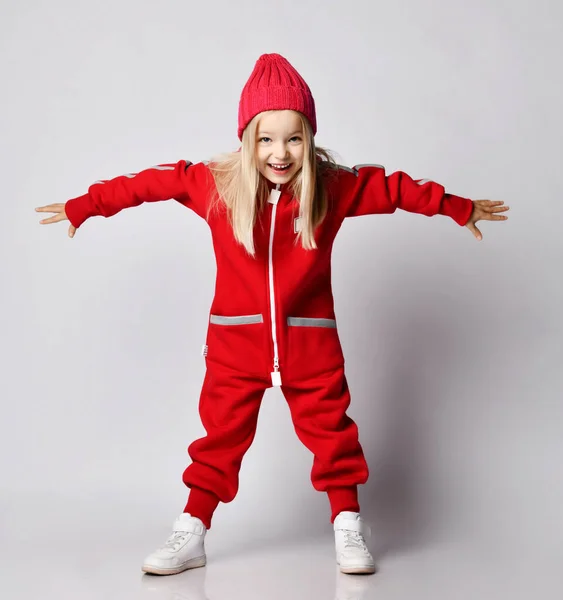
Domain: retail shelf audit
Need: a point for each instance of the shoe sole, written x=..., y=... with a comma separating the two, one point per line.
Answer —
x=193, y=563
x=357, y=570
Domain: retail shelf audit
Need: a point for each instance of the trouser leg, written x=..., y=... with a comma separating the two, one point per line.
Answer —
x=229, y=406
x=318, y=410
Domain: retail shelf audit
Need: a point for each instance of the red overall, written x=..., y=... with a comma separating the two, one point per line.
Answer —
x=272, y=320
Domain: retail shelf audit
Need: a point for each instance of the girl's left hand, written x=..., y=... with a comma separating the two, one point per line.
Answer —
x=485, y=210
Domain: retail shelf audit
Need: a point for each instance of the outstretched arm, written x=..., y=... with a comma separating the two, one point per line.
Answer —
x=366, y=189
x=182, y=181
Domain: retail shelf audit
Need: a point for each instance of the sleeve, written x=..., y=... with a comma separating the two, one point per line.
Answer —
x=183, y=181
x=366, y=189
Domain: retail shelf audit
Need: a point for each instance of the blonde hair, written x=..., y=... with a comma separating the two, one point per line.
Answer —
x=244, y=191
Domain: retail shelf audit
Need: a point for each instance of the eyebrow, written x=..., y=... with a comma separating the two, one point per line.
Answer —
x=268, y=133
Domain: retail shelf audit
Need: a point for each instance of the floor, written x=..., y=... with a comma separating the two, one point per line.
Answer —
x=59, y=548
x=80, y=562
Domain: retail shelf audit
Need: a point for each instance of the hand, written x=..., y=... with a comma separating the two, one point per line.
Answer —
x=60, y=216
x=485, y=210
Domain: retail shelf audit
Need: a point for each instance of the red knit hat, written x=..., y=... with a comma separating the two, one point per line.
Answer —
x=275, y=85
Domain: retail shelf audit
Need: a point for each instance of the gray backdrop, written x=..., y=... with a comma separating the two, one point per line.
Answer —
x=453, y=346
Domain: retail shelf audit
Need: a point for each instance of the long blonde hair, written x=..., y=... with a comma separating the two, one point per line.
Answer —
x=244, y=191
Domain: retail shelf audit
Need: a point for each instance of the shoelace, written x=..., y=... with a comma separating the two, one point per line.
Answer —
x=354, y=539
x=175, y=540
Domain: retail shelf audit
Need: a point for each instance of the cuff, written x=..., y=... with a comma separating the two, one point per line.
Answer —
x=456, y=207
x=202, y=504
x=79, y=209
x=343, y=499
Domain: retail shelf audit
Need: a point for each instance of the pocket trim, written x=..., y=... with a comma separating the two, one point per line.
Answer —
x=240, y=320
x=311, y=322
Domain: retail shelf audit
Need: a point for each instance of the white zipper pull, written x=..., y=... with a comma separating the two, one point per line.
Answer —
x=276, y=375
x=274, y=196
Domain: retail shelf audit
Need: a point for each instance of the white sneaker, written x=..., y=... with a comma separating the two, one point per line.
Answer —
x=352, y=554
x=184, y=549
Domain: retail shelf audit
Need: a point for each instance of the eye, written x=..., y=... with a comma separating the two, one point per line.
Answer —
x=295, y=138
x=265, y=139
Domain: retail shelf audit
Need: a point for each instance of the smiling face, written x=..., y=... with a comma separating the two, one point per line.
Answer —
x=279, y=145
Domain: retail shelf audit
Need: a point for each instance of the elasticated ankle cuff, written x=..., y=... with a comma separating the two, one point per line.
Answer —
x=202, y=504
x=343, y=498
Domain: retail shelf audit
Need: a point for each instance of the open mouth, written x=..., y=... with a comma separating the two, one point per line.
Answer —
x=279, y=168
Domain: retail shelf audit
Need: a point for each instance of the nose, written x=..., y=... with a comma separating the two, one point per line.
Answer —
x=280, y=151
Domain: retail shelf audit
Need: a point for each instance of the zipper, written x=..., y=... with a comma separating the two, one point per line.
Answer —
x=273, y=200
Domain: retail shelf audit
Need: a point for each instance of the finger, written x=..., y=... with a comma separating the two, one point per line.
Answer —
x=489, y=203
x=496, y=208
x=490, y=216
x=71, y=231
x=474, y=231
x=54, y=219
x=51, y=208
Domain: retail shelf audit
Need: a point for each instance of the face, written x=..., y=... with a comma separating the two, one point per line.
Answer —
x=279, y=145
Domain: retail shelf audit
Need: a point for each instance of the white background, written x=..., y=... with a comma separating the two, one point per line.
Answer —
x=453, y=346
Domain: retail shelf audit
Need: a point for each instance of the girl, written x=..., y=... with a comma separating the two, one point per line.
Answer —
x=274, y=208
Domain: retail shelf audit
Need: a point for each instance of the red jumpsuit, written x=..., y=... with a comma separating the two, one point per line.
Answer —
x=272, y=319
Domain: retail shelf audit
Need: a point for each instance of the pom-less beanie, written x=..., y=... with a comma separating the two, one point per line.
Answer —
x=275, y=85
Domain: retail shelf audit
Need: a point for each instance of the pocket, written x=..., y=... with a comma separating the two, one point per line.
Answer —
x=242, y=320
x=237, y=342
x=313, y=347
x=308, y=322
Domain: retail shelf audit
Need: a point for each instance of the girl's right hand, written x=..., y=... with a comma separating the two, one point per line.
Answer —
x=60, y=215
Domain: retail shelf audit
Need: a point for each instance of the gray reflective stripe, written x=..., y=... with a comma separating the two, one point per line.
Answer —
x=307, y=322
x=423, y=181
x=243, y=320
x=362, y=166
